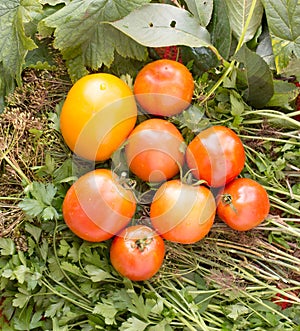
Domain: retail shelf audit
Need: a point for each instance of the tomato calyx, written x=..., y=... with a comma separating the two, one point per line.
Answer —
x=142, y=243
x=227, y=200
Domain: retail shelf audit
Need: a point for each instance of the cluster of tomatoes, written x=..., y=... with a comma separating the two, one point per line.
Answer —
x=99, y=116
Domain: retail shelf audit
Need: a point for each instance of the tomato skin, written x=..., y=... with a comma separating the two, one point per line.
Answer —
x=96, y=206
x=134, y=262
x=216, y=155
x=164, y=87
x=97, y=116
x=182, y=213
x=249, y=204
x=153, y=149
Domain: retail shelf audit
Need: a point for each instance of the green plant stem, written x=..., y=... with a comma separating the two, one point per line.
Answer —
x=17, y=169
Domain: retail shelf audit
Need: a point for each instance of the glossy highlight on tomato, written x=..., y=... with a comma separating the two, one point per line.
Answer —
x=97, y=206
x=243, y=204
x=154, y=149
x=97, y=116
x=181, y=212
x=216, y=155
x=164, y=87
x=137, y=252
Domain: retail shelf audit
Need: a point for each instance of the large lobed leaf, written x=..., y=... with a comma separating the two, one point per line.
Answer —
x=85, y=40
x=14, y=42
x=284, y=24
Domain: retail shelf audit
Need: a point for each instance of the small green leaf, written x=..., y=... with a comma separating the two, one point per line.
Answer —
x=34, y=231
x=21, y=298
x=7, y=246
x=31, y=207
x=97, y=274
x=49, y=213
x=258, y=77
x=107, y=310
x=201, y=9
x=159, y=25
x=133, y=324
x=235, y=311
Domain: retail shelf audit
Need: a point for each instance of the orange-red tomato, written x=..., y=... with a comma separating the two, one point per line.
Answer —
x=243, y=204
x=97, y=206
x=97, y=116
x=137, y=252
x=182, y=213
x=216, y=155
x=164, y=87
x=154, y=149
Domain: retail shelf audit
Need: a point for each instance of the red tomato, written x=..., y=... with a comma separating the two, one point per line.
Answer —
x=137, y=252
x=243, y=204
x=216, y=155
x=164, y=87
x=97, y=116
x=97, y=206
x=182, y=213
x=154, y=149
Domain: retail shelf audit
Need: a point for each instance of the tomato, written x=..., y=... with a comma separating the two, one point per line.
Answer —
x=154, y=149
x=137, y=252
x=164, y=87
x=216, y=155
x=243, y=204
x=97, y=206
x=97, y=116
x=182, y=213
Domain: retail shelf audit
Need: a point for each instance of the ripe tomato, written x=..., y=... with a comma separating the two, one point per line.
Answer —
x=97, y=206
x=182, y=213
x=216, y=155
x=243, y=204
x=164, y=87
x=97, y=116
x=137, y=252
x=154, y=149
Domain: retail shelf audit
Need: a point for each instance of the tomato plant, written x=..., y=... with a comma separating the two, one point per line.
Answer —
x=97, y=116
x=137, y=252
x=181, y=212
x=154, y=149
x=164, y=87
x=97, y=206
x=216, y=155
x=243, y=204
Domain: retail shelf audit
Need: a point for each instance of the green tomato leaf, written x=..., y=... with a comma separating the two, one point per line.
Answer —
x=258, y=77
x=14, y=43
x=283, y=18
x=284, y=94
x=239, y=11
x=160, y=25
x=220, y=28
x=201, y=9
x=83, y=38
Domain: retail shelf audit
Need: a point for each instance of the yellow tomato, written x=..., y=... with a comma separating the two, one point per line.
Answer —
x=97, y=116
